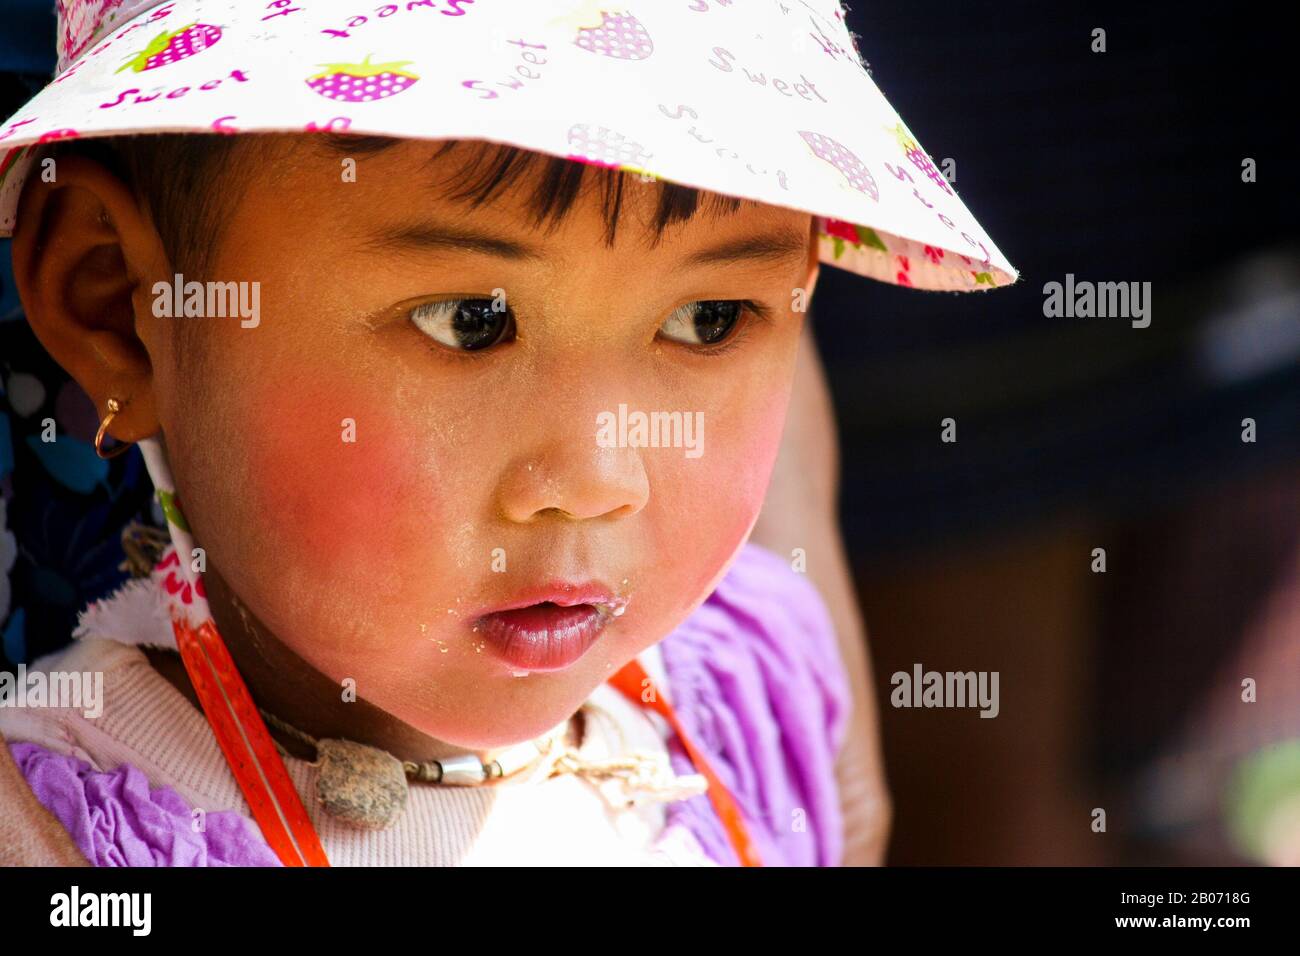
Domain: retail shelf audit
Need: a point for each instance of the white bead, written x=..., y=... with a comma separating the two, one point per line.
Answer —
x=463, y=771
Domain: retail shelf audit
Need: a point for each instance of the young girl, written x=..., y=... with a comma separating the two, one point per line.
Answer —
x=459, y=443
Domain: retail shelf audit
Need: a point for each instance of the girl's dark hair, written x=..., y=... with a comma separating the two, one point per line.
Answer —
x=189, y=182
x=186, y=182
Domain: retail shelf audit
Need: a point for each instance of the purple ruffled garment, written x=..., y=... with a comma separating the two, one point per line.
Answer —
x=756, y=680
x=116, y=820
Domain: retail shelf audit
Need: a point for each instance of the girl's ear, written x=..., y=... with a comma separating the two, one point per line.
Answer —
x=85, y=258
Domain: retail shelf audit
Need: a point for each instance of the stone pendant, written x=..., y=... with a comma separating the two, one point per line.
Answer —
x=360, y=785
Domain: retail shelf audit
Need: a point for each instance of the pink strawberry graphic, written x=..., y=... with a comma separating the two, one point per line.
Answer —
x=362, y=82
x=601, y=146
x=919, y=157
x=850, y=166
x=167, y=47
x=620, y=36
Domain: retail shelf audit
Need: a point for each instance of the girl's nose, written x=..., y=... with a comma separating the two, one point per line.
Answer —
x=574, y=478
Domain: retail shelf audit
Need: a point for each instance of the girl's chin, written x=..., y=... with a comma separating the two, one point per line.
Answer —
x=494, y=726
x=500, y=736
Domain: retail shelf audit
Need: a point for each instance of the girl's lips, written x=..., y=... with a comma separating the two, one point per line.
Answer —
x=545, y=636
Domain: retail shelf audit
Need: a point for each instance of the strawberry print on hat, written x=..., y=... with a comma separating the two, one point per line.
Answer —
x=362, y=82
x=620, y=36
x=711, y=95
x=168, y=47
x=842, y=158
x=919, y=157
x=601, y=146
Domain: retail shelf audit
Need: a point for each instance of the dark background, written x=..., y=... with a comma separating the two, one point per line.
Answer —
x=1119, y=691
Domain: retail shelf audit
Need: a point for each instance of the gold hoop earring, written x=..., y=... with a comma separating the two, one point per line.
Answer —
x=114, y=406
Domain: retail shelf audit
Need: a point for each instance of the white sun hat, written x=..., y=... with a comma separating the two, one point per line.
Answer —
x=767, y=101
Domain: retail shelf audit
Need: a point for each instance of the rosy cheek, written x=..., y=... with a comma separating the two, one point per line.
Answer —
x=737, y=457
x=759, y=454
x=745, y=450
x=336, y=478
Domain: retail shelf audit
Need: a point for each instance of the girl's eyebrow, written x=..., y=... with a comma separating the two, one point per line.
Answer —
x=776, y=246
x=455, y=238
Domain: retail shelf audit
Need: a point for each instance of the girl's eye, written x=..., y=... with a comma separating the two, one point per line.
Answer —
x=466, y=325
x=705, y=322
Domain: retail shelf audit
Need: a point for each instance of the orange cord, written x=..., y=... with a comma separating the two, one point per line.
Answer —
x=632, y=682
x=247, y=746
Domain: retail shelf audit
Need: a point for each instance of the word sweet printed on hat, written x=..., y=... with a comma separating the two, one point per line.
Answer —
x=134, y=95
x=448, y=8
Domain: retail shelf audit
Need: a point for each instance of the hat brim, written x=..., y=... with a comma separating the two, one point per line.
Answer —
x=750, y=102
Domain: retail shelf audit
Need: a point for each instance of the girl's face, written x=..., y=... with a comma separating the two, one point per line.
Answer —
x=385, y=458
